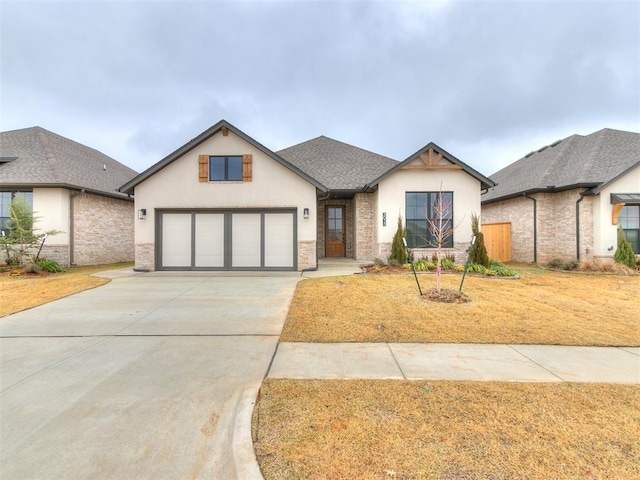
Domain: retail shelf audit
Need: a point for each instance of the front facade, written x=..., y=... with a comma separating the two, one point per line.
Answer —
x=225, y=202
x=72, y=190
x=567, y=201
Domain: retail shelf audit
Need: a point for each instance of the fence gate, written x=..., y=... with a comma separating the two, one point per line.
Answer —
x=497, y=238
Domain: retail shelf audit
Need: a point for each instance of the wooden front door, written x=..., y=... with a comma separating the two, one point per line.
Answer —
x=335, y=232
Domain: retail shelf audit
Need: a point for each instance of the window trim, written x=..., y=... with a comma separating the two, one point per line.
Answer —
x=449, y=242
x=227, y=159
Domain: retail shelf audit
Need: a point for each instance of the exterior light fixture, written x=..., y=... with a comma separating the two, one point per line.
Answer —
x=384, y=219
x=305, y=213
x=142, y=214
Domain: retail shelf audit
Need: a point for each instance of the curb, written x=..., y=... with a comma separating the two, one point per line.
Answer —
x=244, y=456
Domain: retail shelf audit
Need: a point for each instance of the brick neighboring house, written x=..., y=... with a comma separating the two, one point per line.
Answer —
x=567, y=200
x=223, y=201
x=73, y=189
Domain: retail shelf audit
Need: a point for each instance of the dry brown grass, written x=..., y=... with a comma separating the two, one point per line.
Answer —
x=20, y=293
x=540, y=308
x=364, y=429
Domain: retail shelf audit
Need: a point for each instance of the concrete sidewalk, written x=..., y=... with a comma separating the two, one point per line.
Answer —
x=475, y=362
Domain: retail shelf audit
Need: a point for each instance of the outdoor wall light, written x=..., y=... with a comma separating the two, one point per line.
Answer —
x=305, y=213
x=384, y=219
x=142, y=214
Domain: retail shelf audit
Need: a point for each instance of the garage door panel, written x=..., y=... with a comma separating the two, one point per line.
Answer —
x=245, y=242
x=176, y=240
x=209, y=240
x=278, y=240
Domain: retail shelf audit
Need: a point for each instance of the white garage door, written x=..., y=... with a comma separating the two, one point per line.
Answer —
x=227, y=240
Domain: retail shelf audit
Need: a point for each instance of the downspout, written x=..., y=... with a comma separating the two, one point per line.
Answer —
x=535, y=227
x=72, y=229
x=582, y=195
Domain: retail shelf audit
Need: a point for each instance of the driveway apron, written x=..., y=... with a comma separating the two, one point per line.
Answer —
x=140, y=378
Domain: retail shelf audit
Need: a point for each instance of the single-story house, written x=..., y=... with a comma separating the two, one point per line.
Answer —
x=568, y=199
x=72, y=189
x=224, y=201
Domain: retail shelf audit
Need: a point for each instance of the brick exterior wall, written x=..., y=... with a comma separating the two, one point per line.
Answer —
x=349, y=224
x=556, y=221
x=103, y=230
x=365, y=226
x=145, y=256
x=58, y=253
x=307, y=255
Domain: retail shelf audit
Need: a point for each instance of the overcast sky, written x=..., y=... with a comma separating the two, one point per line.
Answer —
x=488, y=81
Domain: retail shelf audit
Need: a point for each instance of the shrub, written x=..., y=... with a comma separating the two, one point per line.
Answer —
x=555, y=263
x=398, y=252
x=478, y=250
x=500, y=269
x=624, y=253
x=446, y=263
x=50, y=266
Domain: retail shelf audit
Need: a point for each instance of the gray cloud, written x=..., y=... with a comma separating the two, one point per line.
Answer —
x=488, y=81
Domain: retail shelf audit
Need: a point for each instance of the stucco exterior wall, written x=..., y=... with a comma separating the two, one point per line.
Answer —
x=605, y=233
x=51, y=206
x=391, y=200
x=177, y=186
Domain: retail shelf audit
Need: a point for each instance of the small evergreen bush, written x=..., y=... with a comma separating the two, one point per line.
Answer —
x=479, y=253
x=624, y=253
x=50, y=266
x=398, y=252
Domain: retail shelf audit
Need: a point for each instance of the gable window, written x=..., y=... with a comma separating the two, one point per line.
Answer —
x=227, y=168
x=629, y=220
x=421, y=208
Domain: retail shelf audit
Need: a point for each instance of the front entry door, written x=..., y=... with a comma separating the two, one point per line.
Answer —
x=335, y=232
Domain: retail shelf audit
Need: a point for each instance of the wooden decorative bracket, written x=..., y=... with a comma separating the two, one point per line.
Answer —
x=225, y=131
x=430, y=161
x=616, y=212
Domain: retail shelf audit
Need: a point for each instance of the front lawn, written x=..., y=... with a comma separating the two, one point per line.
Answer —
x=541, y=307
x=21, y=292
x=366, y=429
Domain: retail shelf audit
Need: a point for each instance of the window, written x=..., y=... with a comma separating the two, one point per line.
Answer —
x=420, y=208
x=225, y=168
x=5, y=203
x=629, y=220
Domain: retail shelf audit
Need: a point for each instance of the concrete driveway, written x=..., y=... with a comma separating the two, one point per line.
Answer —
x=140, y=378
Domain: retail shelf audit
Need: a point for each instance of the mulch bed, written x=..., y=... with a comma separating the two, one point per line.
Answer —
x=445, y=295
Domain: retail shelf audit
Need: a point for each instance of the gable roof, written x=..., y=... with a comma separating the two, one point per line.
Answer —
x=35, y=157
x=589, y=161
x=337, y=165
x=484, y=181
x=193, y=143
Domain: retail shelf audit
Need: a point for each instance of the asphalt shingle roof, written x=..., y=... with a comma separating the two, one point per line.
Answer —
x=337, y=165
x=43, y=158
x=577, y=161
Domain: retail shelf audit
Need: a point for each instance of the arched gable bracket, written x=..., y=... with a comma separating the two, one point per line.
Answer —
x=616, y=212
x=430, y=160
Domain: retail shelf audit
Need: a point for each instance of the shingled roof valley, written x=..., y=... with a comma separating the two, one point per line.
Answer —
x=43, y=158
x=577, y=161
x=337, y=165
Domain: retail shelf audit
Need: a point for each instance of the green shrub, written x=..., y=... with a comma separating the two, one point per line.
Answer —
x=479, y=253
x=624, y=253
x=50, y=266
x=447, y=263
x=398, y=251
x=500, y=269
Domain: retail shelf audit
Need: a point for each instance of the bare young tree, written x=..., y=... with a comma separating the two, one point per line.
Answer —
x=440, y=227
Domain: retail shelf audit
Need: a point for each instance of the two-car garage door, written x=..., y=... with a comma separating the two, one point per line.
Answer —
x=226, y=240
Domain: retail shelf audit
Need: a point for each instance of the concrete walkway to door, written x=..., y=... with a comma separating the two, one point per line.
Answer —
x=150, y=376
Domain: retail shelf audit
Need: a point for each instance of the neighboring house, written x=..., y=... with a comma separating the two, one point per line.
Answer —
x=568, y=199
x=72, y=189
x=223, y=201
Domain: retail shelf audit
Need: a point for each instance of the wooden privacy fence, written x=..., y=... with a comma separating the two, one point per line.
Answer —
x=497, y=238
